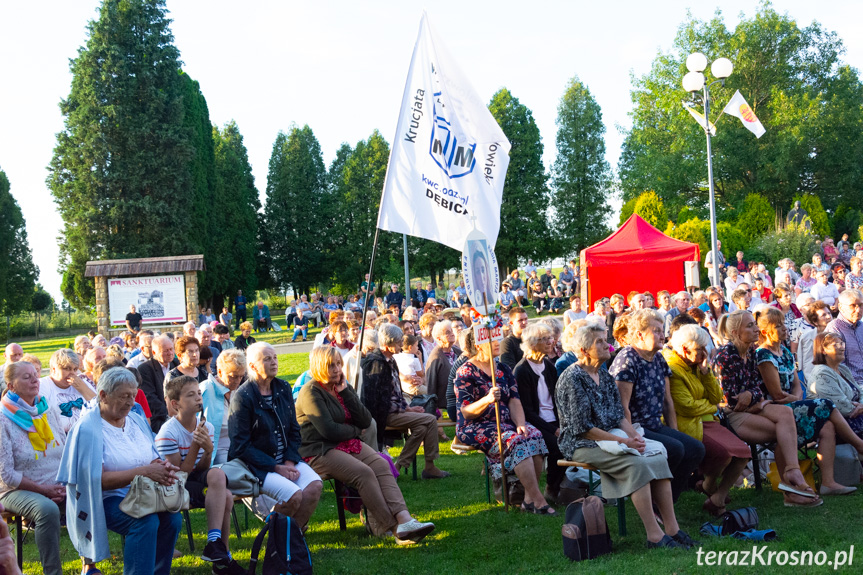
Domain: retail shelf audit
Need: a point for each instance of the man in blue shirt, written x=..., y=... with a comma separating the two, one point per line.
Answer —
x=566, y=278
x=506, y=298
x=240, y=304
x=261, y=316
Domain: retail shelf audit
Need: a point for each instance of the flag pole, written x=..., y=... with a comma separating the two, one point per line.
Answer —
x=504, y=485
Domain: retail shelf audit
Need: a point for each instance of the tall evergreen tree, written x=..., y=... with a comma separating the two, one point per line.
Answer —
x=524, y=231
x=120, y=174
x=581, y=175
x=237, y=203
x=203, y=211
x=296, y=188
x=356, y=180
x=17, y=272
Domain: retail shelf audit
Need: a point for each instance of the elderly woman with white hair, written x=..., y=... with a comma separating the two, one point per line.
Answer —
x=265, y=436
x=536, y=378
x=697, y=396
x=440, y=362
x=382, y=395
x=64, y=389
x=556, y=327
x=105, y=451
x=590, y=411
x=32, y=437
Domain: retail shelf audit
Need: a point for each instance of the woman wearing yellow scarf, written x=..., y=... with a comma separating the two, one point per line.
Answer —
x=31, y=444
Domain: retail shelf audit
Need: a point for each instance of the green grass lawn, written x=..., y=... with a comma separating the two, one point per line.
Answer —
x=475, y=537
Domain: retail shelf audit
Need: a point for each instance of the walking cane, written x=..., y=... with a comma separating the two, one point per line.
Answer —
x=504, y=485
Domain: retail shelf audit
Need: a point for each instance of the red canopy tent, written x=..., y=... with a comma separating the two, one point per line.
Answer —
x=635, y=257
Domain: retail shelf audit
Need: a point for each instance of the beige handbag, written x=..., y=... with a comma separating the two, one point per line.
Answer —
x=147, y=496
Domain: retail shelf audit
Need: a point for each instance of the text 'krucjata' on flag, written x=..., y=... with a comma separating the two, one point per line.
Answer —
x=449, y=156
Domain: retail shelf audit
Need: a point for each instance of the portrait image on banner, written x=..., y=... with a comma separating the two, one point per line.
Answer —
x=159, y=299
x=479, y=269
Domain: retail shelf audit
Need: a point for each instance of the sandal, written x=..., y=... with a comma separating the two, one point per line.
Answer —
x=794, y=500
x=545, y=510
x=528, y=507
x=801, y=490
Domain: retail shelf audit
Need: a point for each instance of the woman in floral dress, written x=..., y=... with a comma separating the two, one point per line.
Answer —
x=524, y=448
x=817, y=419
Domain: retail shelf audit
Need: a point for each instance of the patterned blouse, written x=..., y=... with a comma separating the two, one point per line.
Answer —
x=648, y=385
x=583, y=405
x=737, y=375
x=784, y=365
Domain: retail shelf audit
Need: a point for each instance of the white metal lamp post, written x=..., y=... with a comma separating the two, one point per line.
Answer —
x=694, y=81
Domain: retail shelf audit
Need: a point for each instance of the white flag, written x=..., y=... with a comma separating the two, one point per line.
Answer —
x=449, y=157
x=737, y=106
x=699, y=117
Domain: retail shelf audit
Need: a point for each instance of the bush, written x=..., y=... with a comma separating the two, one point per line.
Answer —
x=793, y=242
x=626, y=210
x=757, y=217
x=652, y=210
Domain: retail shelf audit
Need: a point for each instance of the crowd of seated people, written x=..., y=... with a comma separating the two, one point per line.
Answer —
x=658, y=392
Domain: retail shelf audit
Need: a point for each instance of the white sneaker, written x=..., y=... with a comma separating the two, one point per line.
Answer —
x=413, y=530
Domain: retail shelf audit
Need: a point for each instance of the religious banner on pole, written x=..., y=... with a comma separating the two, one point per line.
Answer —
x=449, y=157
x=480, y=272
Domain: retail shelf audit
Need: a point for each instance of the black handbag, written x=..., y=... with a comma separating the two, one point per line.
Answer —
x=742, y=519
x=427, y=401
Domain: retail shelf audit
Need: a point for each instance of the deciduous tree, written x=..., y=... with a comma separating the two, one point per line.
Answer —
x=799, y=87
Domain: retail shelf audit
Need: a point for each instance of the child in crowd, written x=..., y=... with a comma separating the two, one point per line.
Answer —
x=411, y=372
x=187, y=442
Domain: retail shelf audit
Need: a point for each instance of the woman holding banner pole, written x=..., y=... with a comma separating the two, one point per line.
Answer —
x=478, y=387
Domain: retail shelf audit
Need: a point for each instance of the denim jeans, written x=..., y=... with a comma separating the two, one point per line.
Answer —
x=150, y=540
x=300, y=331
x=45, y=516
x=684, y=455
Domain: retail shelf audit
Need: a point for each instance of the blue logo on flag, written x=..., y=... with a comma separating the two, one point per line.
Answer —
x=454, y=158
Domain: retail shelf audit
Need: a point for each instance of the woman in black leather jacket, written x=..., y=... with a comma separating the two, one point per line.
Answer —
x=266, y=437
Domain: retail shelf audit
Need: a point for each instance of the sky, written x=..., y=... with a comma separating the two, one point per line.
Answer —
x=340, y=67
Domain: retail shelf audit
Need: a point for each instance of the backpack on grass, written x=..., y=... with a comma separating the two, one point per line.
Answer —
x=585, y=531
x=286, y=553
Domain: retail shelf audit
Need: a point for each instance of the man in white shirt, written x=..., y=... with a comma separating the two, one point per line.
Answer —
x=709, y=261
x=824, y=291
x=63, y=389
x=529, y=267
